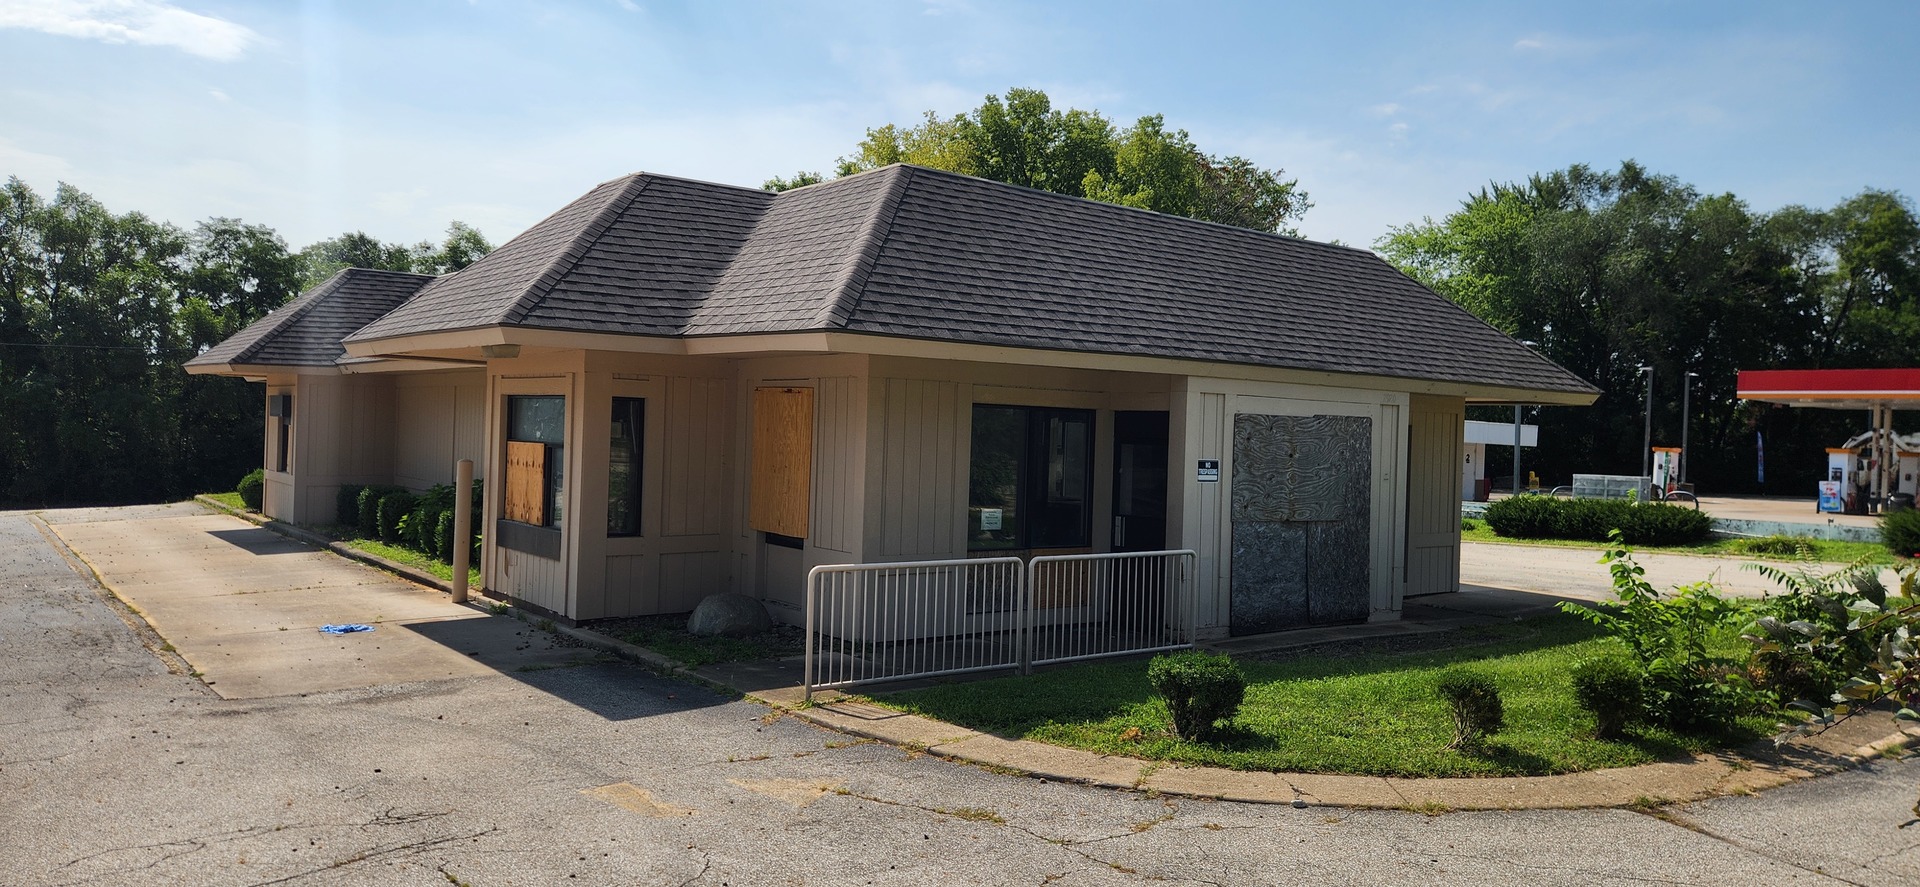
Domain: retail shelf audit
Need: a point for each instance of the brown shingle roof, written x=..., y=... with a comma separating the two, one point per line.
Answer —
x=911, y=252
x=307, y=330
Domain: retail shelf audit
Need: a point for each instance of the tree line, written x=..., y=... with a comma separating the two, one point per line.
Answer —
x=99, y=310
x=1610, y=270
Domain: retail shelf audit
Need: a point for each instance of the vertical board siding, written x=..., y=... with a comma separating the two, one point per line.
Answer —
x=1435, y=439
x=537, y=580
x=923, y=465
x=423, y=435
x=1215, y=561
x=693, y=476
x=840, y=422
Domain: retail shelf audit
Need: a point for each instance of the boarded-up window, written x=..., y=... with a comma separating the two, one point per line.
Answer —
x=536, y=477
x=782, y=461
x=526, y=482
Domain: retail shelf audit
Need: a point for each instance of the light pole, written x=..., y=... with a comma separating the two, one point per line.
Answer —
x=1646, y=440
x=1686, y=407
x=1516, y=433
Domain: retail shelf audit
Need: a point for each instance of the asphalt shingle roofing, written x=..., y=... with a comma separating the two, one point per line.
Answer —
x=307, y=331
x=911, y=252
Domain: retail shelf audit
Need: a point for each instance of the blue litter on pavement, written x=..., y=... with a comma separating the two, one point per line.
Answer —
x=346, y=628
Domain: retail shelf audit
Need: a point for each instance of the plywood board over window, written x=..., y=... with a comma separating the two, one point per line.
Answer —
x=782, y=486
x=526, y=482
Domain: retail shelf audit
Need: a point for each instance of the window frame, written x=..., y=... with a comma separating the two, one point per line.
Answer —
x=1037, y=487
x=553, y=466
x=636, y=469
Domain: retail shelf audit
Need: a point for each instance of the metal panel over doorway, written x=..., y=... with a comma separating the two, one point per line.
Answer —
x=1301, y=521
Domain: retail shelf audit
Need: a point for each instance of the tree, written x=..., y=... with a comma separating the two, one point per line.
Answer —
x=463, y=246
x=800, y=179
x=1023, y=140
x=1611, y=270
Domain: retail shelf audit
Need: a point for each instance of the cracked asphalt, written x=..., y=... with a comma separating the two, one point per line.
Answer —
x=116, y=770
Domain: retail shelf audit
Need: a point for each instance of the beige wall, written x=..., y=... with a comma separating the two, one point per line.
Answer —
x=1202, y=428
x=341, y=435
x=438, y=419
x=687, y=483
x=891, y=440
x=1436, y=438
x=836, y=521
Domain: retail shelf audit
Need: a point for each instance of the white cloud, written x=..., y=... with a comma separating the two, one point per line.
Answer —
x=628, y=5
x=1529, y=43
x=1385, y=110
x=144, y=22
x=219, y=95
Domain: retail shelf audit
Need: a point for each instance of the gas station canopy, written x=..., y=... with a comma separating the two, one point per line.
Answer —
x=1834, y=389
x=1881, y=469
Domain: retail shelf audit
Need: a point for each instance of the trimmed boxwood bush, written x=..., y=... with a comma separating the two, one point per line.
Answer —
x=252, y=489
x=1201, y=689
x=1475, y=700
x=392, y=507
x=346, y=505
x=1641, y=523
x=367, y=511
x=1900, y=532
x=1613, y=691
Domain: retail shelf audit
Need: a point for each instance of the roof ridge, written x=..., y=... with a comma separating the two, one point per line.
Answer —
x=852, y=285
x=577, y=247
x=301, y=309
x=1071, y=198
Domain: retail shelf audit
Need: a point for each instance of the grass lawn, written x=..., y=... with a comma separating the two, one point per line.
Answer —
x=398, y=554
x=231, y=500
x=1361, y=708
x=1827, y=551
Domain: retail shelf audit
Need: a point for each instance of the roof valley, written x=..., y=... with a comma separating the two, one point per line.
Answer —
x=583, y=240
x=879, y=226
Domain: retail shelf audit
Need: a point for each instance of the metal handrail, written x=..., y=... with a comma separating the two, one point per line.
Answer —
x=1183, y=560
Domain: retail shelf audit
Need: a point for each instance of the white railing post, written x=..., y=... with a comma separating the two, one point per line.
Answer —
x=806, y=664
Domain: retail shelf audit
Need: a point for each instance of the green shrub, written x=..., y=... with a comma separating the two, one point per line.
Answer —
x=252, y=489
x=1641, y=523
x=346, y=505
x=1612, y=690
x=1201, y=689
x=1688, y=686
x=391, y=508
x=1900, y=532
x=443, y=536
x=1656, y=523
x=1475, y=700
x=1522, y=517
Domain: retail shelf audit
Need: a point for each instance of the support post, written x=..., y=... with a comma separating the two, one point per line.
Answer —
x=462, y=527
x=1516, y=450
x=1646, y=439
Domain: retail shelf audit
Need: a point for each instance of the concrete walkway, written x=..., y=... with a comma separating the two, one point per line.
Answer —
x=242, y=605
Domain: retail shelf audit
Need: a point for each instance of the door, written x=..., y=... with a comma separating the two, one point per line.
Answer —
x=1301, y=521
x=1142, y=614
x=1140, y=481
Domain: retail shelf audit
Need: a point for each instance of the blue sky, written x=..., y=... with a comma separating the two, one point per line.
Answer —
x=322, y=117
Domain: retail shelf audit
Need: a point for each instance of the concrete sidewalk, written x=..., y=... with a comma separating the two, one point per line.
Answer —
x=243, y=606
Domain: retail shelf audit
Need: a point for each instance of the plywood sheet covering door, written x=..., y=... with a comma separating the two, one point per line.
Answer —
x=1301, y=514
x=782, y=485
x=526, y=476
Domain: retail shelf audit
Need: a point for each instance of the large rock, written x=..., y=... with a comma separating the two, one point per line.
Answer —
x=729, y=615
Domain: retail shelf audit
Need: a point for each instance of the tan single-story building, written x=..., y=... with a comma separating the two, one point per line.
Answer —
x=674, y=388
